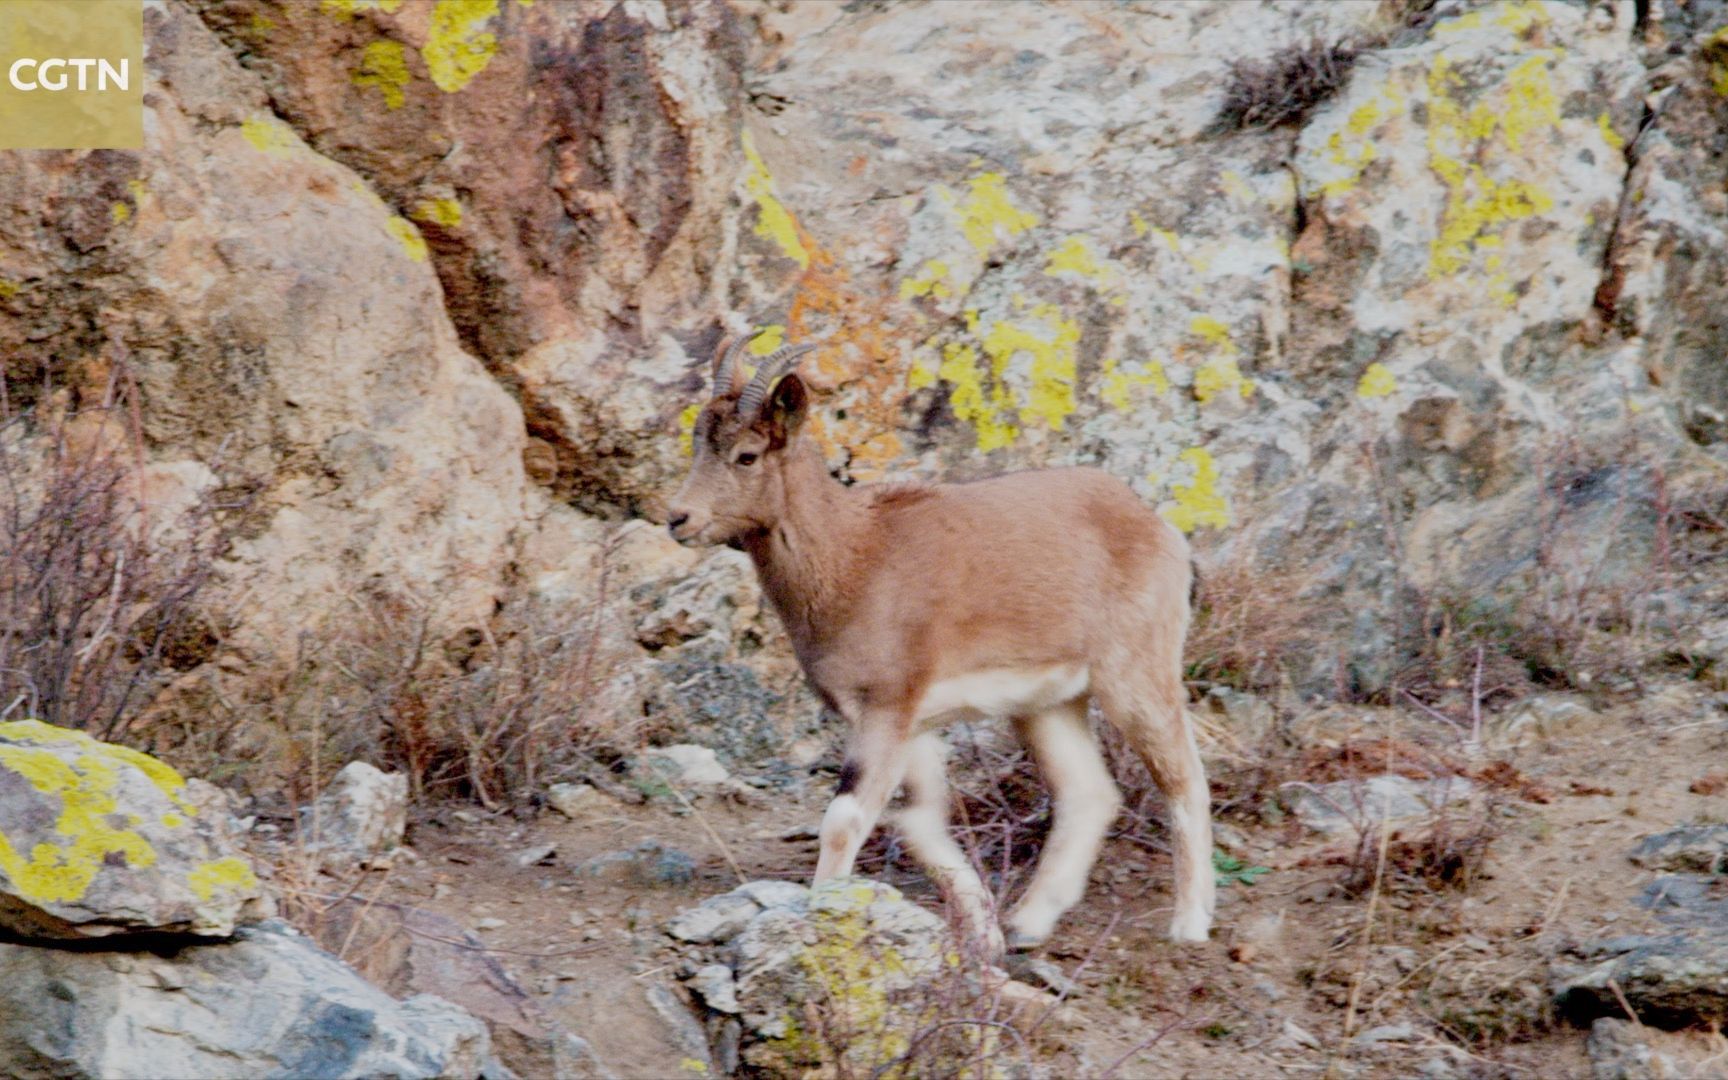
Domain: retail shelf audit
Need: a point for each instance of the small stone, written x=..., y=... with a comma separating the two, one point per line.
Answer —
x=534, y=856
x=490, y=923
x=718, y=919
x=650, y=864
x=799, y=833
x=1039, y=972
x=687, y=765
x=776, y=895
x=571, y=800
x=363, y=812
x=1383, y=1034
x=715, y=985
x=1346, y=807
x=1300, y=1036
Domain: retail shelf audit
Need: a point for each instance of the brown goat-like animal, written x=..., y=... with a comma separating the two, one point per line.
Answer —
x=1021, y=596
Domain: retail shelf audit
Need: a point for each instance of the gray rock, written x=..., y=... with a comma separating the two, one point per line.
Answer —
x=1701, y=849
x=267, y=1004
x=682, y=1026
x=1538, y=718
x=573, y=1058
x=362, y=813
x=716, y=987
x=649, y=864
x=717, y=919
x=1680, y=979
x=1618, y=1051
x=1349, y=806
x=109, y=841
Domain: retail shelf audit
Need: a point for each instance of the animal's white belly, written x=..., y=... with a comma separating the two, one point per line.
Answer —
x=1003, y=692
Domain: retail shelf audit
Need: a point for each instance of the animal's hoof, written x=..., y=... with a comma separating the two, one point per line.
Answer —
x=1021, y=941
x=1190, y=929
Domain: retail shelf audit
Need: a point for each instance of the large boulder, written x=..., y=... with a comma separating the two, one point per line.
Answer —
x=98, y=840
x=268, y=1004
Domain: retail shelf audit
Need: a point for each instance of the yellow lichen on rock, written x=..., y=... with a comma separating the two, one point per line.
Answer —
x=931, y=280
x=1465, y=148
x=1198, y=503
x=446, y=213
x=413, y=244
x=1377, y=382
x=984, y=408
x=1117, y=382
x=457, y=45
x=221, y=875
x=1051, y=349
x=384, y=64
x=62, y=871
x=768, y=338
x=988, y=216
x=773, y=221
x=1219, y=373
x=687, y=428
x=347, y=9
x=269, y=135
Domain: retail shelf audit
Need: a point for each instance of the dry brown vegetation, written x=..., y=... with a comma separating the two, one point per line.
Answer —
x=98, y=587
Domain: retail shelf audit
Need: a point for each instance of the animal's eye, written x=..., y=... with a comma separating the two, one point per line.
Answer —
x=746, y=459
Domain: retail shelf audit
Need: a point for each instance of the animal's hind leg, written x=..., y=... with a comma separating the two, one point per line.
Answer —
x=1086, y=800
x=924, y=825
x=1148, y=708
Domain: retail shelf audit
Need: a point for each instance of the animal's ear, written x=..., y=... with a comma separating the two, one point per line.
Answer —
x=784, y=413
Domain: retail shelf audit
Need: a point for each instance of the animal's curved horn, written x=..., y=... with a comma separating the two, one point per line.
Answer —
x=774, y=365
x=726, y=374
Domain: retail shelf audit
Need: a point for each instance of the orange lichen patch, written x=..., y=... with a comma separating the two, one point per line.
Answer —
x=862, y=352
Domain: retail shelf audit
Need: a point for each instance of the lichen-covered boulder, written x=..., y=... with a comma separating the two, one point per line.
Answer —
x=847, y=970
x=98, y=839
x=269, y=1003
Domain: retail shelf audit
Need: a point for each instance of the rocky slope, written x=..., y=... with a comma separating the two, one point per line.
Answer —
x=440, y=280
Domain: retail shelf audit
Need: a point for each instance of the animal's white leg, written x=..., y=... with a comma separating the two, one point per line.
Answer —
x=1086, y=803
x=924, y=825
x=875, y=763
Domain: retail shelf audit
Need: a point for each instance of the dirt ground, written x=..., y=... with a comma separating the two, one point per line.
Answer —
x=1455, y=978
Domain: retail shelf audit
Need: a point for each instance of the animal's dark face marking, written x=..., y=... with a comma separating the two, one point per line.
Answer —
x=849, y=773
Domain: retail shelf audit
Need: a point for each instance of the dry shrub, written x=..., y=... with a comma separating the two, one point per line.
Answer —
x=1250, y=622
x=1444, y=854
x=493, y=716
x=1286, y=87
x=493, y=713
x=98, y=588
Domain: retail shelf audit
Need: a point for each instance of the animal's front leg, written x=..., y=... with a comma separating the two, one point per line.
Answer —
x=875, y=764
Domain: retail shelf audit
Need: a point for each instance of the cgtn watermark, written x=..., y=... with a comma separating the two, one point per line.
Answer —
x=29, y=75
x=73, y=74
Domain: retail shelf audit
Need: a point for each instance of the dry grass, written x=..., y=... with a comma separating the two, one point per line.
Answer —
x=1251, y=622
x=98, y=588
x=1286, y=87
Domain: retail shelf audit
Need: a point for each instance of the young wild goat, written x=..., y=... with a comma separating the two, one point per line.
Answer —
x=1021, y=596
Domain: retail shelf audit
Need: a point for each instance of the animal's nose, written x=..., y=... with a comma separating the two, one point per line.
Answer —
x=676, y=521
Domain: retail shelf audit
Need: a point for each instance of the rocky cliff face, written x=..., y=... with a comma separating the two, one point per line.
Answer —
x=442, y=278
